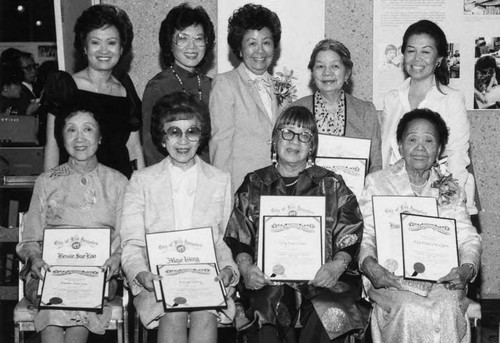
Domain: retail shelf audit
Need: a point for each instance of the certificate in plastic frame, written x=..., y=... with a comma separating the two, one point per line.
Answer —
x=293, y=247
x=341, y=146
x=430, y=248
x=192, y=286
x=352, y=170
x=194, y=245
x=76, y=246
x=387, y=221
x=73, y=288
x=289, y=205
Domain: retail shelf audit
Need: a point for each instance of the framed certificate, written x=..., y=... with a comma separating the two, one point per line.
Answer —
x=292, y=248
x=352, y=170
x=272, y=205
x=191, y=287
x=386, y=217
x=76, y=246
x=430, y=247
x=73, y=287
x=340, y=146
x=179, y=247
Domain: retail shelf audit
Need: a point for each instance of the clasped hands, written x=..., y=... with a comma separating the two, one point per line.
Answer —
x=380, y=277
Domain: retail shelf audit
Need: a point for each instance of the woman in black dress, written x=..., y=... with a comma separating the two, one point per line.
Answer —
x=103, y=34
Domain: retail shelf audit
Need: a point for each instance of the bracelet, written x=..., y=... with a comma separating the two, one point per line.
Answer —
x=345, y=264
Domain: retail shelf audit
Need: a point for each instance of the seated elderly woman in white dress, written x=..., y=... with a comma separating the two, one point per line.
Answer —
x=400, y=315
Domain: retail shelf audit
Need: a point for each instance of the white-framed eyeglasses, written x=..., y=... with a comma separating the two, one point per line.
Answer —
x=174, y=134
x=182, y=40
x=289, y=135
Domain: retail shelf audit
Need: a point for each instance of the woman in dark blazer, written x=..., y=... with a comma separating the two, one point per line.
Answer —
x=243, y=106
x=337, y=112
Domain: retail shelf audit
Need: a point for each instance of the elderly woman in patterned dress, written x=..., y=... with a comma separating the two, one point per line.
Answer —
x=330, y=308
x=83, y=193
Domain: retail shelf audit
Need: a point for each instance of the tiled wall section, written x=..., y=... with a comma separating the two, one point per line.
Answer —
x=351, y=22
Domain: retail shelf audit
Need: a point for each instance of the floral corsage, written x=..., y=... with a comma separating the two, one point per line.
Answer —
x=447, y=186
x=283, y=87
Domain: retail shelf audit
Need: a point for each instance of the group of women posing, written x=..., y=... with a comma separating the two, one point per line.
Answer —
x=256, y=147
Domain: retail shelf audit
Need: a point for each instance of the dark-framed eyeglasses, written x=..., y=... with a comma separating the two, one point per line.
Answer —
x=174, y=134
x=289, y=135
x=182, y=40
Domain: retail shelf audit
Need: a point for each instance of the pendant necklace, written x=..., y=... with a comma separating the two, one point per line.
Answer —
x=182, y=85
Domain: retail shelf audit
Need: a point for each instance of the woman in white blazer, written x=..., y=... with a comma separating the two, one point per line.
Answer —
x=180, y=192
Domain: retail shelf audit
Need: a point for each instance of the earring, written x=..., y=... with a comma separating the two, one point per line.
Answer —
x=310, y=161
x=274, y=157
x=163, y=144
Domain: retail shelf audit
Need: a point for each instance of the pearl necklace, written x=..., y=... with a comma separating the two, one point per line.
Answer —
x=420, y=186
x=182, y=84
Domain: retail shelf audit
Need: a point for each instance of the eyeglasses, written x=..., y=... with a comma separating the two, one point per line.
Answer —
x=30, y=67
x=174, y=134
x=289, y=135
x=182, y=40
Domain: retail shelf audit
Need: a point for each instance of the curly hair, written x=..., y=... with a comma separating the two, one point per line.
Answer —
x=299, y=116
x=178, y=106
x=102, y=16
x=430, y=28
x=178, y=18
x=426, y=114
x=251, y=17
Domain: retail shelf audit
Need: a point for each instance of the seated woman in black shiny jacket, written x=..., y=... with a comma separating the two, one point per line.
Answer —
x=330, y=303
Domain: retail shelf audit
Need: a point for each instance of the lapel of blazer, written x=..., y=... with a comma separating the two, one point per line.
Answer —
x=162, y=196
x=205, y=188
x=252, y=91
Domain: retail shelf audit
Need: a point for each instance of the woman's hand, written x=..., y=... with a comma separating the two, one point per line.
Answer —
x=378, y=275
x=112, y=265
x=225, y=275
x=329, y=273
x=480, y=96
x=253, y=277
x=36, y=267
x=146, y=280
x=458, y=277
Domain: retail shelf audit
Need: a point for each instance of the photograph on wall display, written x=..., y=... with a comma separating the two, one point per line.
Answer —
x=454, y=60
x=487, y=73
x=482, y=7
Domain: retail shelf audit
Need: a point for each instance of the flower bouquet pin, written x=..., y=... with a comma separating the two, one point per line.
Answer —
x=446, y=184
x=284, y=89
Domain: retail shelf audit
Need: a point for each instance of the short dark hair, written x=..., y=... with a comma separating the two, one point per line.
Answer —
x=178, y=106
x=72, y=110
x=251, y=17
x=432, y=29
x=301, y=117
x=10, y=75
x=99, y=16
x=426, y=114
x=178, y=18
